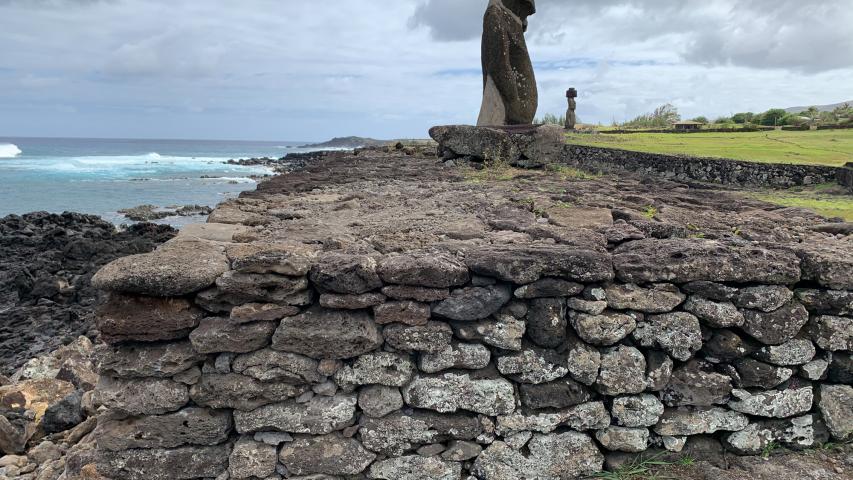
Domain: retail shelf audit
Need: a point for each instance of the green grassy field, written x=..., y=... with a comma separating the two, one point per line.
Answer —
x=819, y=147
x=826, y=200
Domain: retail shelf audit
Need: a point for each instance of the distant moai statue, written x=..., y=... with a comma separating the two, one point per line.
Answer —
x=571, y=117
x=510, y=96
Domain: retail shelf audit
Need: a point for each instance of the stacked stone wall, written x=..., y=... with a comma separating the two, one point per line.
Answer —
x=269, y=361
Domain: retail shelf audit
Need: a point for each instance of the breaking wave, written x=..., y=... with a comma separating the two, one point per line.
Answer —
x=9, y=150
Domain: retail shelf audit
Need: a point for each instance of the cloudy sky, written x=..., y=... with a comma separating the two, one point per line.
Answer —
x=309, y=70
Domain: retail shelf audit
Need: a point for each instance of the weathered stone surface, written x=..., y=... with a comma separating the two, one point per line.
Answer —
x=377, y=368
x=447, y=393
x=587, y=306
x=328, y=454
x=753, y=373
x=524, y=264
x=141, y=396
x=318, y=416
x=832, y=333
x=342, y=273
x=622, y=371
x=183, y=463
x=679, y=334
x=351, y=302
x=433, y=337
x=658, y=298
x=282, y=258
x=841, y=368
x=407, y=313
x=473, y=303
x=777, y=327
x=566, y=455
x=146, y=319
x=830, y=264
x=766, y=298
x=468, y=356
x=623, y=439
x=503, y=332
x=259, y=287
x=251, y=459
x=261, y=312
x=240, y=392
x=415, y=467
x=269, y=365
x=798, y=351
x=773, y=403
x=605, y=329
x=586, y=416
x=727, y=346
x=427, y=269
x=637, y=410
x=546, y=322
x=533, y=365
x=815, y=370
x=658, y=370
x=190, y=426
x=378, y=400
x=696, y=383
x=584, y=361
x=826, y=302
x=795, y=433
x=700, y=420
x=215, y=335
x=561, y=393
x=460, y=451
x=64, y=414
x=714, y=314
x=679, y=260
x=146, y=360
x=418, y=294
x=177, y=268
x=711, y=291
x=334, y=334
x=402, y=431
x=836, y=405
x=548, y=288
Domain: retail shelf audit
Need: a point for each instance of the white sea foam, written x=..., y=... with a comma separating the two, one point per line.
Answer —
x=9, y=150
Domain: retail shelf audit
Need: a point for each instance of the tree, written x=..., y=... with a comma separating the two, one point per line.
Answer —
x=662, y=117
x=773, y=117
x=745, y=117
x=701, y=119
x=723, y=120
x=812, y=113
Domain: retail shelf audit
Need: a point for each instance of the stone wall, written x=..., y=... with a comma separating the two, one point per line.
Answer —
x=686, y=168
x=269, y=361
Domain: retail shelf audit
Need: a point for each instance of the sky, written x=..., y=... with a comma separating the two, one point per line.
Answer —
x=311, y=70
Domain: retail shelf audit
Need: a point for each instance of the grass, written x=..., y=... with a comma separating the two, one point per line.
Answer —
x=819, y=147
x=647, y=469
x=822, y=199
x=567, y=173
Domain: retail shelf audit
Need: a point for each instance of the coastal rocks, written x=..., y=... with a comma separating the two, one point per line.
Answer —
x=565, y=455
x=146, y=319
x=325, y=455
x=190, y=426
x=678, y=334
x=473, y=303
x=659, y=298
x=177, y=268
x=836, y=405
x=774, y=403
x=525, y=146
x=334, y=334
x=318, y=416
x=450, y=392
x=778, y=326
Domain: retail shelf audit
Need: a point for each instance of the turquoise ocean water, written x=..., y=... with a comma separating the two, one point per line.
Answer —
x=99, y=176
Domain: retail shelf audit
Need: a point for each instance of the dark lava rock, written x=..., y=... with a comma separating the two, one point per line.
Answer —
x=342, y=273
x=696, y=384
x=64, y=414
x=473, y=303
x=561, y=393
x=777, y=327
x=546, y=322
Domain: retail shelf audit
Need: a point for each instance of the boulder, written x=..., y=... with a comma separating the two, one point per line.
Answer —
x=183, y=463
x=407, y=313
x=836, y=405
x=269, y=365
x=190, y=426
x=549, y=288
x=318, y=416
x=449, y=392
x=699, y=420
x=146, y=319
x=430, y=338
x=766, y=298
x=697, y=384
x=240, y=392
x=160, y=360
x=713, y=313
x=251, y=459
x=796, y=433
x=533, y=366
x=680, y=260
x=524, y=264
x=473, y=303
x=468, y=356
x=562, y=393
x=832, y=333
x=177, y=268
x=216, y=335
x=328, y=334
x=622, y=371
x=657, y=298
x=351, y=302
x=400, y=431
x=536, y=147
x=65, y=414
x=565, y=455
x=777, y=327
x=546, y=322
x=281, y=258
x=423, y=269
x=623, y=439
x=325, y=455
x=606, y=329
x=415, y=467
x=148, y=396
x=343, y=273
x=376, y=368
x=679, y=334
x=378, y=400
x=773, y=403
x=637, y=410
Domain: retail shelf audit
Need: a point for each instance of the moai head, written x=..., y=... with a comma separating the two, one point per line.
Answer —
x=521, y=8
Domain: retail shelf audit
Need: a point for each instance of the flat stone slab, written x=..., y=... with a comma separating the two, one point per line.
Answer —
x=216, y=232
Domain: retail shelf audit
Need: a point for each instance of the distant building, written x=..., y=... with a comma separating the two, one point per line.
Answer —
x=687, y=125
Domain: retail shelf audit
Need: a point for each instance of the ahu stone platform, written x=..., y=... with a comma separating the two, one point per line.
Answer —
x=381, y=316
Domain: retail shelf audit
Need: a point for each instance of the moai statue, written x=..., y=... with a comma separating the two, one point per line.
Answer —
x=571, y=117
x=509, y=85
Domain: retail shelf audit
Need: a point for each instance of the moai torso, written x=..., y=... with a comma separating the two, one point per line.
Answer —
x=571, y=116
x=509, y=84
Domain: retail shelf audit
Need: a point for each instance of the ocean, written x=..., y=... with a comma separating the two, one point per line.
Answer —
x=100, y=176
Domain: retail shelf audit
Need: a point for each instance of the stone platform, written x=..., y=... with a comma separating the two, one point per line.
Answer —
x=382, y=316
